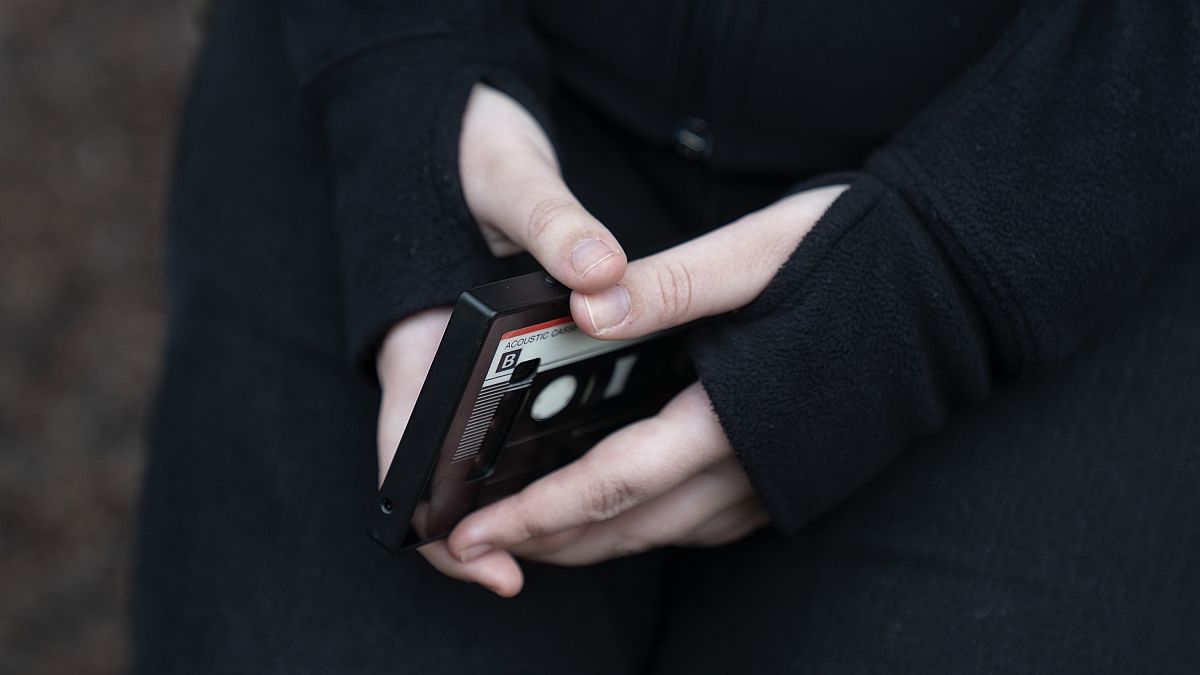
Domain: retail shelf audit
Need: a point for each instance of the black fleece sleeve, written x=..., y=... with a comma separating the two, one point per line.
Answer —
x=390, y=82
x=1005, y=224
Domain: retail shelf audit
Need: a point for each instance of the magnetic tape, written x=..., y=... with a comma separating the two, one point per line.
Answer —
x=515, y=391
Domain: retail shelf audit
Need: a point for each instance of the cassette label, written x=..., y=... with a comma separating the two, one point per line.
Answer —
x=556, y=343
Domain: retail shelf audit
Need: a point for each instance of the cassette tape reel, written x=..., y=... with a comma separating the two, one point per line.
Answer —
x=515, y=391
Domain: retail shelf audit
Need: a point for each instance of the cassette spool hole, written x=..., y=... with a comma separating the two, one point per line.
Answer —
x=554, y=397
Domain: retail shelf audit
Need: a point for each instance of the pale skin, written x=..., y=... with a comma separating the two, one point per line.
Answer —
x=669, y=480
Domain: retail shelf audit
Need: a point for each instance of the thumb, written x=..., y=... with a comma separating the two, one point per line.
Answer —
x=513, y=188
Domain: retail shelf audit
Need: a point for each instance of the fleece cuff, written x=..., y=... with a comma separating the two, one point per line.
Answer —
x=862, y=341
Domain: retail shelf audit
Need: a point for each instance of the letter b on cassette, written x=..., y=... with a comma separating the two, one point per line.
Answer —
x=508, y=360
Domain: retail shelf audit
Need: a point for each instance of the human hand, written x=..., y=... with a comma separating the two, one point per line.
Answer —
x=513, y=189
x=615, y=500
x=512, y=186
x=401, y=365
x=671, y=479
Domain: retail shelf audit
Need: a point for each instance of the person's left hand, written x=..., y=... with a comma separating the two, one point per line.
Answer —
x=671, y=479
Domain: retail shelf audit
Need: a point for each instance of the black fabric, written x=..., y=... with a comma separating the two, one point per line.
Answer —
x=389, y=82
x=1048, y=527
x=782, y=87
x=1023, y=207
x=1011, y=220
x=1051, y=530
x=871, y=357
x=253, y=554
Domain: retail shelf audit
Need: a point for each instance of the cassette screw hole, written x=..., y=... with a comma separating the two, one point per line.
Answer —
x=386, y=506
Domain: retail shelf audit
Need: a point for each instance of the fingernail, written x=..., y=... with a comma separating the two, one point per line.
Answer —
x=589, y=253
x=607, y=308
x=473, y=552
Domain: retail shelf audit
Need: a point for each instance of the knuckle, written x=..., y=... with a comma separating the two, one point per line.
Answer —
x=607, y=498
x=675, y=288
x=543, y=216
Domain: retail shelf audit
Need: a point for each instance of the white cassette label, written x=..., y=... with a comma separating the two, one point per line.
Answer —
x=557, y=343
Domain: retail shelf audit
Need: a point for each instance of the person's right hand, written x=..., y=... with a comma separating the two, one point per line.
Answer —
x=512, y=186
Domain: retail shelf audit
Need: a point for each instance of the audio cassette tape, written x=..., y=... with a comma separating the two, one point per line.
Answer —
x=515, y=390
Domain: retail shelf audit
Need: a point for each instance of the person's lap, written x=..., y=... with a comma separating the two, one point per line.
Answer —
x=1047, y=528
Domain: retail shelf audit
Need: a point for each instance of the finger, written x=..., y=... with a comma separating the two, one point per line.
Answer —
x=497, y=571
x=664, y=521
x=403, y=362
x=629, y=467
x=512, y=184
x=595, y=543
x=735, y=522
x=716, y=273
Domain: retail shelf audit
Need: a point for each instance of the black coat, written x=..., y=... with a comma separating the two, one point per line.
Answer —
x=1016, y=175
x=980, y=366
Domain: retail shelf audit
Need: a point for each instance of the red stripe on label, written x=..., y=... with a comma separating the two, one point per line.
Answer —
x=536, y=327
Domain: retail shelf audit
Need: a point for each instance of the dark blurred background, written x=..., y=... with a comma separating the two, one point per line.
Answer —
x=90, y=94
